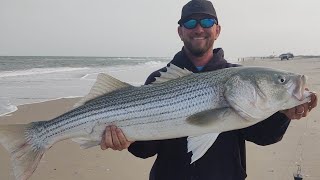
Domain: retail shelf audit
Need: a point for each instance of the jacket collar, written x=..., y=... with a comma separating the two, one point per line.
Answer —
x=217, y=61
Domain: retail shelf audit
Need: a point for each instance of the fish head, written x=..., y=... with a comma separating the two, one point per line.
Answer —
x=256, y=92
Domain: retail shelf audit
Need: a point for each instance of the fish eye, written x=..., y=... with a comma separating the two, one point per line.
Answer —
x=281, y=79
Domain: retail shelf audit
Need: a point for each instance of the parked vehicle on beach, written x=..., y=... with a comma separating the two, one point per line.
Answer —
x=286, y=56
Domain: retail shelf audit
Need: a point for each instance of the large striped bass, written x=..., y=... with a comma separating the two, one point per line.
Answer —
x=178, y=104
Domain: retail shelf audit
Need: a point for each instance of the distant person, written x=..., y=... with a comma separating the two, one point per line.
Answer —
x=226, y=159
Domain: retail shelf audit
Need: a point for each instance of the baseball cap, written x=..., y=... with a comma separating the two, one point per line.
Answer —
x=197, y=7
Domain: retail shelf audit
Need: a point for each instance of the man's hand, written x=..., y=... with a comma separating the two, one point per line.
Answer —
x=302, y=110
x=114, y=138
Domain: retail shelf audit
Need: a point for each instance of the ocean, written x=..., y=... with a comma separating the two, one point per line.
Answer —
x=31, y=79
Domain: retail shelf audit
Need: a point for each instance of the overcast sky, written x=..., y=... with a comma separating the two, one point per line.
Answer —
x=149, y=27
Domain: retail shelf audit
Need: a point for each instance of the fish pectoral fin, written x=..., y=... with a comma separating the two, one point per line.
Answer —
x=209, y=117
x=200, y=144
x=173, y=72
x=85, y=143
x=103, y=85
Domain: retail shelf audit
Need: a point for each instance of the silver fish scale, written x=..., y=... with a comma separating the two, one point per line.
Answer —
x=194, y=106
x=134, y=106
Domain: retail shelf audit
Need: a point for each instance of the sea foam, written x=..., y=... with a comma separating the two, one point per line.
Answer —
x=35, y=71
x=6, y=107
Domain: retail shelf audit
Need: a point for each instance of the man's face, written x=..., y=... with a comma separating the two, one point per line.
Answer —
x=199, y=40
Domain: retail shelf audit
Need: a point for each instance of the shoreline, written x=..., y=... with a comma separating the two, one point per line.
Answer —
x=31, y=103
x=279, y=161
x=19, y=90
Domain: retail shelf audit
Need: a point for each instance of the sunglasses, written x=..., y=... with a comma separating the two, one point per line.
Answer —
x=204, y=23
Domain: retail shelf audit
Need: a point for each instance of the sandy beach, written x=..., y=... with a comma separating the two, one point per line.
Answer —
x=65, y=160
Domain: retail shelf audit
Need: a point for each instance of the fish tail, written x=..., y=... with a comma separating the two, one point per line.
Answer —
x=24, y=157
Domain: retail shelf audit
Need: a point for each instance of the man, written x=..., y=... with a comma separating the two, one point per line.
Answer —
x=226, y=159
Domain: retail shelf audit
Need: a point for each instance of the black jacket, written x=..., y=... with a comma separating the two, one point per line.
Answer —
x=226, y=159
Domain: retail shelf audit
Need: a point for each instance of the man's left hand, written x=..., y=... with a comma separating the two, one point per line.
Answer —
x=302, y=110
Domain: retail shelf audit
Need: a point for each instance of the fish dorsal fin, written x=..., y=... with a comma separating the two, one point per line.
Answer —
x=199, y=145
x=103, y=85
x=173, y=72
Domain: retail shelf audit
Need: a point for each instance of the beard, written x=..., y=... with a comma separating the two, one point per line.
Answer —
x=198, y=50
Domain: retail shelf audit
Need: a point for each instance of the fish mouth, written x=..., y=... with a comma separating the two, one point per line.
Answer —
x=298, y=88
